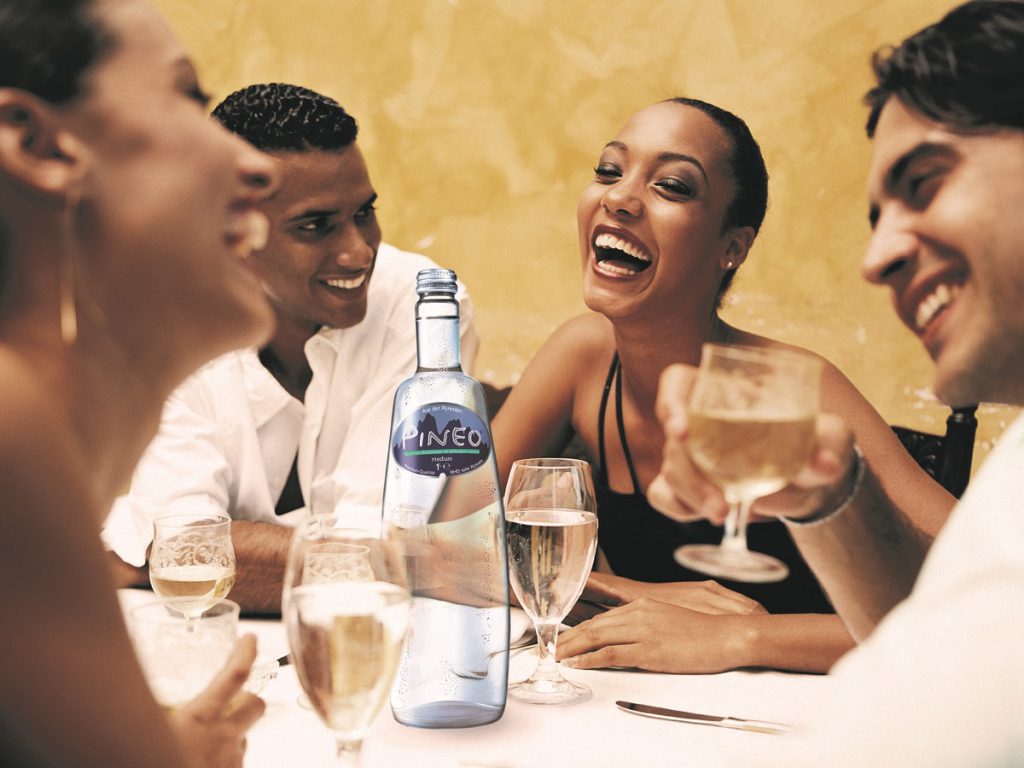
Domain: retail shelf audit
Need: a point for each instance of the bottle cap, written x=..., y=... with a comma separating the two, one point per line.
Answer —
x=435, y=281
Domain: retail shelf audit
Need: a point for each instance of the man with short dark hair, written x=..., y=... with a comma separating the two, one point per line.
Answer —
x=303, y=423
x=938, y=678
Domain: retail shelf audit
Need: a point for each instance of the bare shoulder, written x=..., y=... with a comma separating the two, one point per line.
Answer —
x=565, y=357
x=838, y=394
x=23, y=402
x=583, y=335
x=569, y=353
x=48, y=496
x=32, y=439
x=537, y=417
x=578, y=352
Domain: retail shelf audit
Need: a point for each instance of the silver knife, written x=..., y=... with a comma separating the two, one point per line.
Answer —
x=757, y=726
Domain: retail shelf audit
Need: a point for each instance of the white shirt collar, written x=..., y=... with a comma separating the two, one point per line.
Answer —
x=267, y=396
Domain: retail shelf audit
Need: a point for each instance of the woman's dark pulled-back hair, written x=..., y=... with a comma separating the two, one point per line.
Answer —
x=278, y=116
x=747, y=169
x=46, y=46
x=966, y=71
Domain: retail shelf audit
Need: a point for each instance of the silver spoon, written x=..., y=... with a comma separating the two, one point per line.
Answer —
x=525, y=640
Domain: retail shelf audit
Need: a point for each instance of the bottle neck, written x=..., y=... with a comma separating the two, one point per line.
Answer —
x=437, y=333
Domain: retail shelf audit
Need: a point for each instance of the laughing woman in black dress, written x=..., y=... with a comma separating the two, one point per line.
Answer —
x=676, y=201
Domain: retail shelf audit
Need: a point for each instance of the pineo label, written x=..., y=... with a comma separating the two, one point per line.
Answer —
x=441, y=439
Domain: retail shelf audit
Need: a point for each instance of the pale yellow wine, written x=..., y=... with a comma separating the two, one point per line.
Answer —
x=192, y=589
x=346, y=639
x=750, y=454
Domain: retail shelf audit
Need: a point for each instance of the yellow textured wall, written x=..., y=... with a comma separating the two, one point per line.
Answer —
x=481, y=121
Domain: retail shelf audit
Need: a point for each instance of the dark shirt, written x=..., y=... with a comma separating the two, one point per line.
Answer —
x=291, y=494
x=638, y=541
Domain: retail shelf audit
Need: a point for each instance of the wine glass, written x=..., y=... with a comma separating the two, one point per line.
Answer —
x=192, y=562
x=752, y=427
x=346, y=607
x=551, y=523
x=337, y=561
x=179, y=662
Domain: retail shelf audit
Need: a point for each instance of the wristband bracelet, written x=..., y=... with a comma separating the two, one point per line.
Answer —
x=826, y=514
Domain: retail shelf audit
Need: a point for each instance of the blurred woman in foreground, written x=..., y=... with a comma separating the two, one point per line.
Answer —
x=124, y=212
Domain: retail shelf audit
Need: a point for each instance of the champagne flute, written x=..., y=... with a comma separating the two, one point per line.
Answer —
x=551, y=519
x=346, y=608
x=192, y=562
x=752, y=417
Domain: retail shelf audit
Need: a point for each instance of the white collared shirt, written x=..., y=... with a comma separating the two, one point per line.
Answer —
x=230, y=433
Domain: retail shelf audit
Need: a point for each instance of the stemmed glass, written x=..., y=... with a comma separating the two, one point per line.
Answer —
x=752, y=414
x=346, y=607
x=192, y=562
x=551, y=519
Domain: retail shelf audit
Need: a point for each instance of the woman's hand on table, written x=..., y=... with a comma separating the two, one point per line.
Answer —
x=212, y=727
x=704, y=596
x=681, y=491
x=658, y=637
x=670, y=627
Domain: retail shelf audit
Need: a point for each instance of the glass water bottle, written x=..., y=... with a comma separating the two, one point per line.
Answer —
x=442, y=490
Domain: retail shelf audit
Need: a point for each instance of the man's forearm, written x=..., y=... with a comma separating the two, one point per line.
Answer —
x=261, y=553
x=795, y=642
x=125, y=575
x=866, y=557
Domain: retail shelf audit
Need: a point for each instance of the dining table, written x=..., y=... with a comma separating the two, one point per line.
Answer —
x=591, y=734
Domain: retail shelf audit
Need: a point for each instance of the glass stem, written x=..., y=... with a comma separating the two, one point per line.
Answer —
x=349, y=753
x=547, y=667
x=735, y=536
x=190, y=622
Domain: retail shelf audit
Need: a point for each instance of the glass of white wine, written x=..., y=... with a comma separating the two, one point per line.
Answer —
x=192, y=562
x=752, y=427
x=551, y=524
x=346, y=607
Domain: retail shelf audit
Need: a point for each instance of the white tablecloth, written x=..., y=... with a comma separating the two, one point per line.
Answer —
x=593, y=734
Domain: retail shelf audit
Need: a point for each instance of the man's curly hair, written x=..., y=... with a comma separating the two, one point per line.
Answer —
x=278, y=116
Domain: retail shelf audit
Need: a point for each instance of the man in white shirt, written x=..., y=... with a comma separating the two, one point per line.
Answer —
x=303, y=423
x=938, y=678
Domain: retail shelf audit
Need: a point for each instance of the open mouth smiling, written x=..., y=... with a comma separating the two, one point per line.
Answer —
x=934, y=304
x=346, y=284
x=618, y=257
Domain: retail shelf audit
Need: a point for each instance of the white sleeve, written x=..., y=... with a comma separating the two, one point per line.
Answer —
x=183, y=469
x=942, y=686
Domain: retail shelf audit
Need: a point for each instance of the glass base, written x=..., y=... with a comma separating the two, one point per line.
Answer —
x=742, y=565
x=559, y=691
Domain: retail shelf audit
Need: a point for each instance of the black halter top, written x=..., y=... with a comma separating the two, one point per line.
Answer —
x=638, y=541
